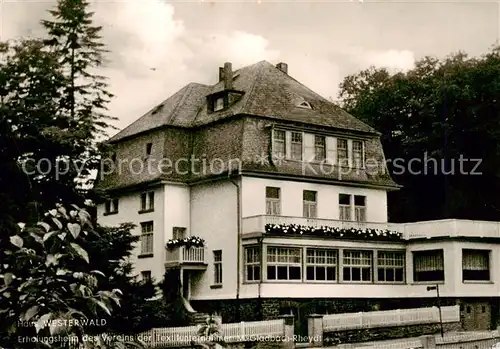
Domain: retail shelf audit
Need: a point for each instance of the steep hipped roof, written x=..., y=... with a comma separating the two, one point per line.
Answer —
x=268, y=92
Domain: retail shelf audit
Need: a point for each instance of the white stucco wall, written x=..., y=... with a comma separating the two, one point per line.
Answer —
x=129, y=207
x=214, y=218
x=210, y=211
x=254, y=198
x=176, y=209
x=453, y=286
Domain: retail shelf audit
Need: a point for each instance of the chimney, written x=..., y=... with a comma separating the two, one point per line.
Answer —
x=221, y=74
x=283, y=67
x=228, y=76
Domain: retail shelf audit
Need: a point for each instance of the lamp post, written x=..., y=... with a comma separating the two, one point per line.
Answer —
x=431, y=288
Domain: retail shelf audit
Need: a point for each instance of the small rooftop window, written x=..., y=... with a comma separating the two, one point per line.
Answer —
x=305, y=105
x=157, y=109
x=149, y=147
x=219, y=104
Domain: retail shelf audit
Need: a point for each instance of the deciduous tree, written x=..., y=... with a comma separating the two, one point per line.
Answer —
x=446, y=110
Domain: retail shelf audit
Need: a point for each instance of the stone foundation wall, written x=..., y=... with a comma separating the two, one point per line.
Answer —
x=273, y=308
x=248, y=309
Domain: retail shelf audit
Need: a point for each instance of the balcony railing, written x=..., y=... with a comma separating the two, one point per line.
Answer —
x=185, y=256
x=425, y=229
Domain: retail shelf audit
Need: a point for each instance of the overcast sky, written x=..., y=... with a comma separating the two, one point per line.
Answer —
x=159, y=46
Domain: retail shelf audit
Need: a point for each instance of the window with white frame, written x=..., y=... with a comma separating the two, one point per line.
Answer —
x=390, y=266
x=296, y=146
x=344, y=207
x=148, y=201
x=284, y=263
x=319, y=148
x=428, y=265
x=252, y=263
x=279, y=143
x=357, y=154
x=305, y=105
x=217, y=267
x=310, y=204
x=111, y=206
x=273, y=201
x=342, y=152
x=360, y=208
x=147, y=238
x=219, y=104
x=321, y=265
x=475, y=265
x=357, y=265
x=178, y=233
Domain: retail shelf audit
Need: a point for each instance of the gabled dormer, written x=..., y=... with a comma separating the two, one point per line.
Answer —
x=224, y=99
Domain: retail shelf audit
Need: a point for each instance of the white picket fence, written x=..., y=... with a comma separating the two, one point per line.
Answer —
x=230, y=333
x=389, y=318
x=464, y=340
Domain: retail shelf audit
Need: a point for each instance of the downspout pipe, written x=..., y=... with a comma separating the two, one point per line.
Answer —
x=238, y=243
x=261, y=254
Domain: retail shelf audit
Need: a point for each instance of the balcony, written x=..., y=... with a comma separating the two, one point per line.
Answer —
x=188, y=258
x=255, y=225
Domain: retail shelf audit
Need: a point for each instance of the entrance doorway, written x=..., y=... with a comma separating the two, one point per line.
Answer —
x=185, y=285
x=476, y=316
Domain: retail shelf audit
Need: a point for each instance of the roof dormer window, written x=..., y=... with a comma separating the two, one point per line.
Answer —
x=157, y=109
x=305, y=105
x=219, y=104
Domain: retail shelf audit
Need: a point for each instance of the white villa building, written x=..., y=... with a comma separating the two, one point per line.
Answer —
x=289, y=194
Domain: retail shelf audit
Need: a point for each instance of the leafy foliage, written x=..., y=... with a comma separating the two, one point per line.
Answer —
x=443, y=115
x=210, y=333
x=43, y=295
x=139, y=312
x=52, y=114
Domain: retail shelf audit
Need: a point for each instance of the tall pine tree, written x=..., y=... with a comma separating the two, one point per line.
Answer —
x=53, y=108
x=76, y=41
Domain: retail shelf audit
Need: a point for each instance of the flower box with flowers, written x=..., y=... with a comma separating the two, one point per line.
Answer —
x=333, y=232
x=192, y=241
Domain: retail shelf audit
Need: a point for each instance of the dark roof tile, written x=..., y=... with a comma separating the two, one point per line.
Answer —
x=267, y=91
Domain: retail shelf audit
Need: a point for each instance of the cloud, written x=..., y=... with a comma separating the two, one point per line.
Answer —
x=140, y=34
x=241, y=48
x=392, y=59
x=322, y=77
x=152, y=53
